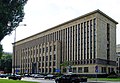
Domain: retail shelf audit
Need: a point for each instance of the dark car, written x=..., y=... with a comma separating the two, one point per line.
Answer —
x=72, y=78
x=15, y=77
x=49, y=76
x=3, y=75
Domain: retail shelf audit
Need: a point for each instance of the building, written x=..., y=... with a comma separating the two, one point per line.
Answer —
x=87, y=43
x=118, y=58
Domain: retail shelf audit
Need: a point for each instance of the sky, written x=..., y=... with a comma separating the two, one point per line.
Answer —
x=44, y=14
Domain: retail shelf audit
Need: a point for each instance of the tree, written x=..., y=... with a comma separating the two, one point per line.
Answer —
x=1, y=51
x=11, y=14
x=6, y=63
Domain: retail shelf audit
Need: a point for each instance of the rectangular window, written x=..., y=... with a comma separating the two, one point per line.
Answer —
x=74, y=70
x=54, y=63
x=40, y=50
x=43, y=50
x=50, y=48
x=50, y=57
x=46, y=58
x=86, y=69
x=103, y=69
x=49, y=63
x=43, y=58
x=54, y=47
x=79, y=69
x=36, y=51
x=54, y=57
x=108, y=40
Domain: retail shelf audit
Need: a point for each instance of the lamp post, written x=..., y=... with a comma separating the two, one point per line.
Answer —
x=14, y=53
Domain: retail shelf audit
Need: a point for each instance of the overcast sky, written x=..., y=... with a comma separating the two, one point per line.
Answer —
x=43, y=14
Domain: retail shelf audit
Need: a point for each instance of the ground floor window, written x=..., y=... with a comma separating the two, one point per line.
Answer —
x=79, y=69
x=74, y=70
x=86, y=69
x=104, y=70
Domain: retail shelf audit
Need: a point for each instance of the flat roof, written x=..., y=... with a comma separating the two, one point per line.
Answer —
x=90, y=13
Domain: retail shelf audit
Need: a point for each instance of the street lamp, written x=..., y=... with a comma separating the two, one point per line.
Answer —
x=14, y=48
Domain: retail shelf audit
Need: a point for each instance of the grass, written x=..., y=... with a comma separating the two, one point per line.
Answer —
x=105, y=79
x=14, y=81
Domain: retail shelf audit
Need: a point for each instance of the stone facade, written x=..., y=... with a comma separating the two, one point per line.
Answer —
x=83, y=43
x=118, y=58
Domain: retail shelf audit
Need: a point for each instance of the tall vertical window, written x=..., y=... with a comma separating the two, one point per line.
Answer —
x=84, y=40
x=87, y=39
x=78, y=41
x=68, y=41
x=73, y=42
x=94, y=28
x=108, y=44
x=81, y=41
x=50, y=48
x=90, y=39
x=54, y=47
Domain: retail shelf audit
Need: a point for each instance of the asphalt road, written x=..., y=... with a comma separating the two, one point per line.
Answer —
x=40, y=80
x=52, y=81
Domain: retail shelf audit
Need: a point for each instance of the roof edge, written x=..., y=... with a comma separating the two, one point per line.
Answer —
x=95, y=11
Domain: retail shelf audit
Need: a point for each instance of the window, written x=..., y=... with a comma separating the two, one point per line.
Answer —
x=39, y=64
x=46, y=58
x=54, y=47
x=40, y=50
x=86, y=69
x=103, y=69
x=46, y=64
x=36, y=51
x=79, y=69
x=49, y=63
x=40, y=59
x=54, y=69
x=74, y=70
x=50, y=57
x=43, y=50
x=54, y=63
x=43, y=58
x=50, y=48
x=54, y=57
x=43, y=64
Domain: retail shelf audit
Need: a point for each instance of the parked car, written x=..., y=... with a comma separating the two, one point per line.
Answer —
x=32, y=75
x=3, y=75
x=27, y=75
x=72, y=78
x=39, y=76
x=15, y=77
x=50, y=76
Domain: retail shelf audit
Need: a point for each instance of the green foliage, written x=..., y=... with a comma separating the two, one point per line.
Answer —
x=6, y=63
x=65, y=64
x=1, y=51
x=11, y=14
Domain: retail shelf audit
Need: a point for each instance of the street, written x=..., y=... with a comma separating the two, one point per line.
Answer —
x=41, y=80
